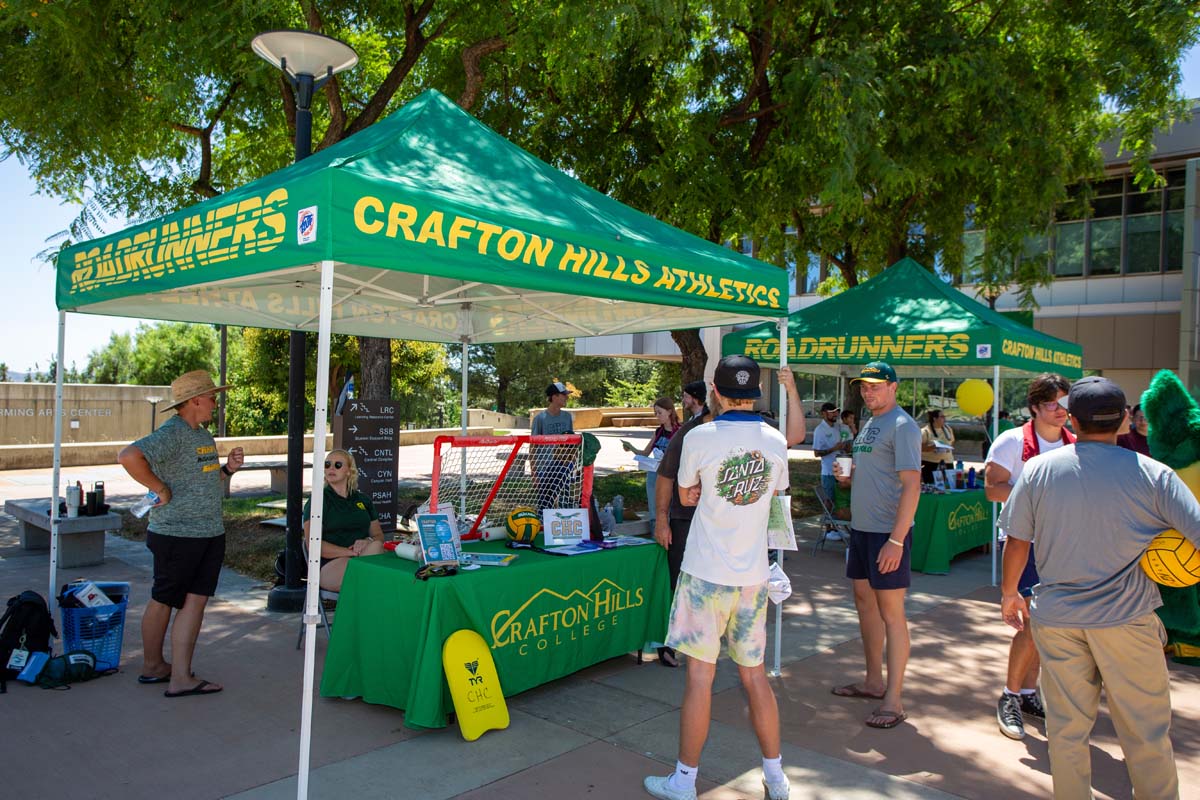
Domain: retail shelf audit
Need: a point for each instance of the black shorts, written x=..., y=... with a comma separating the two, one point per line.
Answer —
x=183, y=566
x=863, y=553
x=1029, y=576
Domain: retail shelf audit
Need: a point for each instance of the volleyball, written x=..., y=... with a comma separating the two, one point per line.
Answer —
x=1171, y=560
x=522, y=524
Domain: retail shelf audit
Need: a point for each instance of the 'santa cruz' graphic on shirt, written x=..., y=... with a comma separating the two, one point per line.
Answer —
x=744, y=478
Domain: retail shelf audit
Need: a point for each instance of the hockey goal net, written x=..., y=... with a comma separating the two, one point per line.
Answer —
x=485, y=477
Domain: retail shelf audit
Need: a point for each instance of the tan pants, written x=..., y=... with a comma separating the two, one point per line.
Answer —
x=1128, y=660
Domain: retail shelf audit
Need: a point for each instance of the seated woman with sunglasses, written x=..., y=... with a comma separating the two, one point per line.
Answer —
x=350, y=526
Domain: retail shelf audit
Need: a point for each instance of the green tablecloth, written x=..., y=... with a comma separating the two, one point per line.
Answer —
x=543, y=617
x=949, y=524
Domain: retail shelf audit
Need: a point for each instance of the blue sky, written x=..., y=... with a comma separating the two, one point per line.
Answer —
x=30, y=319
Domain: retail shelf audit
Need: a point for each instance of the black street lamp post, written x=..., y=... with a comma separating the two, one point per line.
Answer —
x=153, y=400
x=308, y=60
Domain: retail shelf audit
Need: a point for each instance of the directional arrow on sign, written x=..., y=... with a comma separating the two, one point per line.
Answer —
x=353, y=429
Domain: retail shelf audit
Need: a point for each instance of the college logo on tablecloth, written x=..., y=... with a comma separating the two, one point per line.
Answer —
x=550, y=619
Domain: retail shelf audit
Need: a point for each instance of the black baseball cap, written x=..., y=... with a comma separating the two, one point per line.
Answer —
x=558, y=387
x=877, y=372
x=828, y=407
x=736, y=377
x=698, y=390
x=1094, y=399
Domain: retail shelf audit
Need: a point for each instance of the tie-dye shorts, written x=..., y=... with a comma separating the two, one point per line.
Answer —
x=702, y=612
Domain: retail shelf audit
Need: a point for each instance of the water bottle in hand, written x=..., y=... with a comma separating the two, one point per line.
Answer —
x=144, y=505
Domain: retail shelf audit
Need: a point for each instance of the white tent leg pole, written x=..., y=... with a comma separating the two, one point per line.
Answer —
x=462, y=466
x=995, y=506
x=776, y=669
x=58, y=416
x=312, y=592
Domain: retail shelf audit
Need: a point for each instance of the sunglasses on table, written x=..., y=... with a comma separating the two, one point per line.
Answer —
x=435, y=571
x=334, y=464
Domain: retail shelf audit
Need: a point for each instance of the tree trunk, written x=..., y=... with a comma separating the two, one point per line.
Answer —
x=695, y=357
x=375, y=360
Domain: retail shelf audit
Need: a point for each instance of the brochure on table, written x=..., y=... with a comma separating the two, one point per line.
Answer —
x=564, y=526
x=440, y=542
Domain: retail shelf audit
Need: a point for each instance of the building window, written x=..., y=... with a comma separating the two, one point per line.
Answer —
x=1069, y=249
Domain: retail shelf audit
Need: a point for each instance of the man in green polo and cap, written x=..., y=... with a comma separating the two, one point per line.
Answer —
x=886, y=479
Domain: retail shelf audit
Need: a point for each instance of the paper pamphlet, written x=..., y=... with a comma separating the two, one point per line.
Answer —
x=780, y=533
x=939, y=447
x=492, y=559
x=649, y=463
x=440, y=543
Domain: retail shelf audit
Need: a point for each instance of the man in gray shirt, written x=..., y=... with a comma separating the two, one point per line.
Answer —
x=179, y=463
x=551, y=474
x=1090, y=509
x=886, y=480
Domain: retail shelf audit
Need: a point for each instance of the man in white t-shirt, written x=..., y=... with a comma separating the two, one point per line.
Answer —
x=828, y=444
x=730, y=469
x=1044, y=432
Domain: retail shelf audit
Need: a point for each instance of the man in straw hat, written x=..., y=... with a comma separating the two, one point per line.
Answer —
x=179, y=463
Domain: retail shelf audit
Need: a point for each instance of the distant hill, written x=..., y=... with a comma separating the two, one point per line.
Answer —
x=16, y=377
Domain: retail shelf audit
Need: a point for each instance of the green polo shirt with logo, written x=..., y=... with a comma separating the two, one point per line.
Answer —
x=345, y=520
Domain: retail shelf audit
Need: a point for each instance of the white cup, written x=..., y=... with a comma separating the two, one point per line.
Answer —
x=845, y=464
x=74, y=500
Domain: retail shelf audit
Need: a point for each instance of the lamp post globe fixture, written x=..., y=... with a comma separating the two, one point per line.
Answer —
x=153, y=400
x=307, y=60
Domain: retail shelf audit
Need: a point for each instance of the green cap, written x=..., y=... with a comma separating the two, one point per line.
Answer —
x=877, y=372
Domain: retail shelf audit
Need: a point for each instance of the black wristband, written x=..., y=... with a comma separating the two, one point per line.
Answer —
x=226, y=470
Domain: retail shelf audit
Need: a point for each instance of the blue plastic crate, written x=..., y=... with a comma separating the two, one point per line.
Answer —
x=98, y=630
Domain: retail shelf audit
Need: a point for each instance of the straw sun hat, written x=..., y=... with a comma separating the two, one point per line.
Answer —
x=192, y=384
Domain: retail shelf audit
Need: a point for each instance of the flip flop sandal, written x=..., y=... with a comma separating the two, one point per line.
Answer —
x=886, y=719
x=198, y=689
x=852, y=690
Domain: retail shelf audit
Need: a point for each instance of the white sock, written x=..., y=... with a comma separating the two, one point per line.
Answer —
x=1027, y=691
x=1010, y=691
x=684, y=776
x=773, y=769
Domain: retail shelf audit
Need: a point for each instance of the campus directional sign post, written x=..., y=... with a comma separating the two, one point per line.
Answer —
x=370, y=431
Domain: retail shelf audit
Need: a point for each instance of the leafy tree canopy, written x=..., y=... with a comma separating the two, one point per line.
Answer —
x=867, y=129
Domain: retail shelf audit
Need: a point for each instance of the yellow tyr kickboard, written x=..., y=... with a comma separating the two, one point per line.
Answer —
x=474, y=684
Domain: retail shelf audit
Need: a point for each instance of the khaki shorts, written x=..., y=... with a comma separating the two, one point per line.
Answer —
x=702, y=612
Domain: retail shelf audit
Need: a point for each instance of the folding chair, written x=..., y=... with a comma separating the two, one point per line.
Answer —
x=324, y=594
x=828, y=520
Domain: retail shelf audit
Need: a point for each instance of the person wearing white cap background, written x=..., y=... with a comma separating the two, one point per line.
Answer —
x=548, y=474
x=186, y=535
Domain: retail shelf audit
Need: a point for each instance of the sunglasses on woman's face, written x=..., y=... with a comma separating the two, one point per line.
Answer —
x=334, y=464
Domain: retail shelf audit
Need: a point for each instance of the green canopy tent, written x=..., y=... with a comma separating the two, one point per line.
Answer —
x=916, y=322
x=428, y=226
x=920, y=325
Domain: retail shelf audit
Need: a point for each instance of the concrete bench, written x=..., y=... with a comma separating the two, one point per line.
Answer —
x=278, y=470
x=80, y=539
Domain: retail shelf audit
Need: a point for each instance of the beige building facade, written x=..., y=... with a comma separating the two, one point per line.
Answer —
x=91, y=413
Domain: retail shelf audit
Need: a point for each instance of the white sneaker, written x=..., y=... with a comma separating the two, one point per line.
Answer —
x=660, y=788
x=833, y=536
x=777, y=791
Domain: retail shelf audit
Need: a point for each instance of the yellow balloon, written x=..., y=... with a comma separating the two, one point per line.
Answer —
x=974, y=397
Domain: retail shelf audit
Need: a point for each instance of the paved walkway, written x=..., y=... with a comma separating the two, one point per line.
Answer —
x=594, y=734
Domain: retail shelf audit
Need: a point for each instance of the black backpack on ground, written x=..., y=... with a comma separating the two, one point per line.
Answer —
x=26, y=625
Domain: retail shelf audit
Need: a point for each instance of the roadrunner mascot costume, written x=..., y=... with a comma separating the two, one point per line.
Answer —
x=1174, y=438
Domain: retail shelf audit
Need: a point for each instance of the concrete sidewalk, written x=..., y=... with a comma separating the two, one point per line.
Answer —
x=594, y=734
